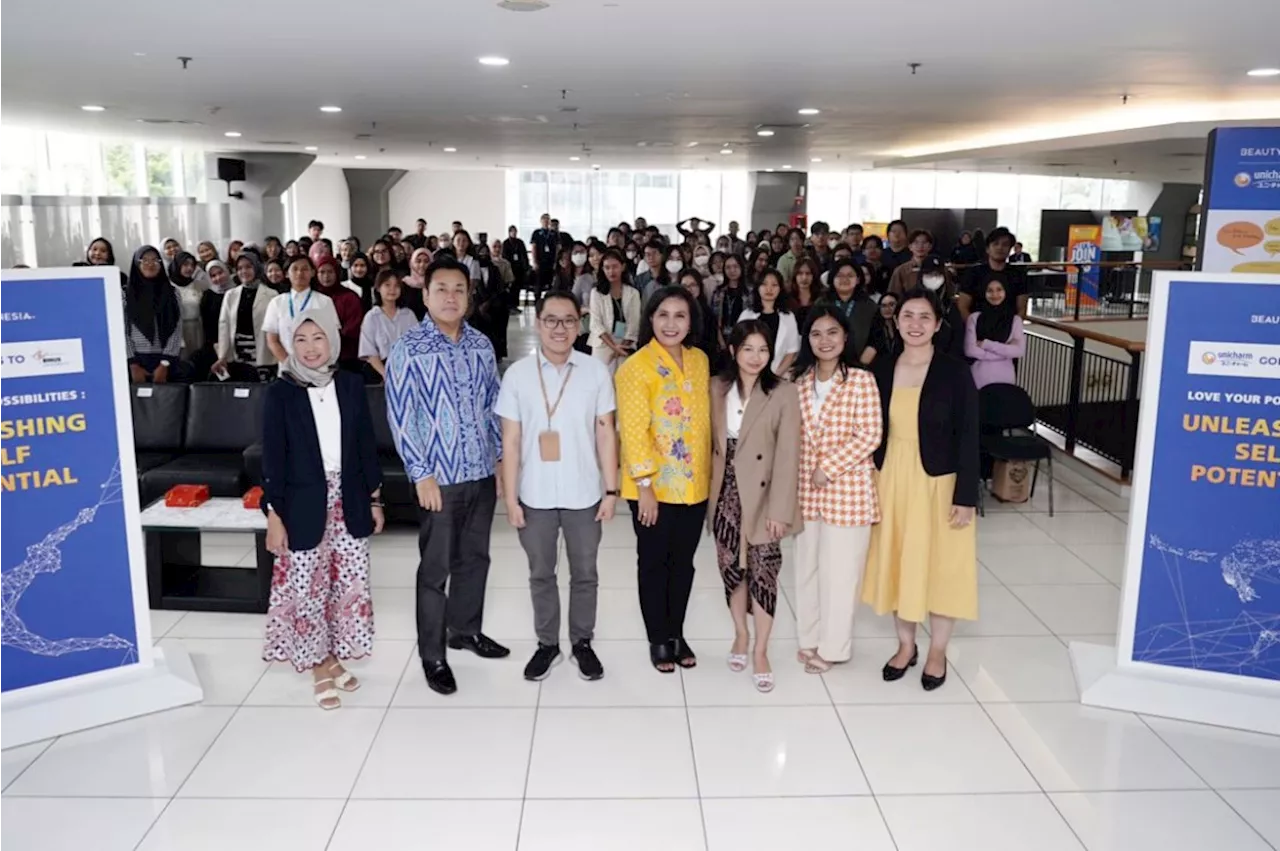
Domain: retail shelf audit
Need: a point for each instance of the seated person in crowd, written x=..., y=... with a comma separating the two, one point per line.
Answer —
x=993, y=338
x=383, y=325
x=153, y=321
x=220, y=281
x=243, y=353
x=350, y=313
x=286, y=306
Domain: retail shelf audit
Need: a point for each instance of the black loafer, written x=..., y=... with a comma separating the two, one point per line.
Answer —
x=660, y=654
x=892, y=674
x=440, y=677
x=929, y=682
x=479, y=644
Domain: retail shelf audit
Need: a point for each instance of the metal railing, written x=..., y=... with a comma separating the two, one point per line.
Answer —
x=1124, y=290
x=1088, y=397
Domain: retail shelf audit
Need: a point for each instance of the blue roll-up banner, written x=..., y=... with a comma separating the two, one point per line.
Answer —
x=1240, y=231
x=1200, y=619
x=73, y=564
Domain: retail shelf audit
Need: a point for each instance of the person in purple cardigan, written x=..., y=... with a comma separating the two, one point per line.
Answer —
x=993, y=338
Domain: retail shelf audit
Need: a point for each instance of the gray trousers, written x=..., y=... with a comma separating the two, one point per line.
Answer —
x=539, y=537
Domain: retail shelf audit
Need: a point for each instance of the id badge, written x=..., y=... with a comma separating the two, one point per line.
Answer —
x=549, y=446
x=619, y=331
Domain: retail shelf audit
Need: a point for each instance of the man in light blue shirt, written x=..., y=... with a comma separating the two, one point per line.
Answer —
x=560, y=472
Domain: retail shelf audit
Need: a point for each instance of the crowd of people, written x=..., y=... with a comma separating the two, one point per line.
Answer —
x=777, y=384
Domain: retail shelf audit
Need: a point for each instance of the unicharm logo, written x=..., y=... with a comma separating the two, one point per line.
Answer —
x=1242, y=360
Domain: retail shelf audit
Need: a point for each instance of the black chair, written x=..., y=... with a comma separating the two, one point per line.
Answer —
x=223, y=418
x=159, y=417
x=398, y=493
x=1005, y=415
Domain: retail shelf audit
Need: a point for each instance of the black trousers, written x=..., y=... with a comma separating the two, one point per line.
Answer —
x=453, y=546
x=664, y=555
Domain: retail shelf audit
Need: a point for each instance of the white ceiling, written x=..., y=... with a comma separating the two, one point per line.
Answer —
x=663, y=72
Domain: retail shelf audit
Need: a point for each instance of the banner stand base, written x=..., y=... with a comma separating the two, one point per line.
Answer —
x=168, y=683
x=1102, y=683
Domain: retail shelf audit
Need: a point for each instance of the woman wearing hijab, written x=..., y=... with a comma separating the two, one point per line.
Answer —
x=220, y=282
x=360, y=280
x=275, y=274
x=347, y=305
x=317, y=252
x=243, y=353
x=153, y=319
x=101, y=253
x=321, y=493
x=993, y=337
x=190, y=282
x=414, y=284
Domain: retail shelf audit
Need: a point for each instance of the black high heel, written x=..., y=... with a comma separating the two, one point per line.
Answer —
x=683, y=653
x=892, y=674
x=929, y=682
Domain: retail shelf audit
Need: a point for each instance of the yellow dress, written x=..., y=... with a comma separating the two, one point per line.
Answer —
x=917, y=564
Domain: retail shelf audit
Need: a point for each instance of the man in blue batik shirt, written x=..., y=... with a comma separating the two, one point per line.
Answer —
x=442, y=384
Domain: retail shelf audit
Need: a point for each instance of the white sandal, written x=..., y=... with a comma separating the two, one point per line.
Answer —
x=328, y=698
x=737, y=662
x=764, y=682
x=345, y=679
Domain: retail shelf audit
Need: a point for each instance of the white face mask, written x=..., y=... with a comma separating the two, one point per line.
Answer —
x=932, y=282
x=701, y=260
x=674, y=266
x=832, y=243
x=578, y=259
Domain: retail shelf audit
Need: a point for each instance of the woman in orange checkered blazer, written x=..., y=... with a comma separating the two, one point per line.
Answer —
x=840, y=429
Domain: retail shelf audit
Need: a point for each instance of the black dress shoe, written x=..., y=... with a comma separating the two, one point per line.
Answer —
x=930, y=682
x=892, y=674
x=660, y=654
x=440, y=677
x=683, y=653
x=479, y=644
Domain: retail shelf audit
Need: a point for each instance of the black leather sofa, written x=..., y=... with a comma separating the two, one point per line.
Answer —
x=221, y=420
x=159, y=419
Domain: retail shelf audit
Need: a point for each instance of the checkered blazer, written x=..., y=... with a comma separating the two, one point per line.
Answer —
x=841, y=441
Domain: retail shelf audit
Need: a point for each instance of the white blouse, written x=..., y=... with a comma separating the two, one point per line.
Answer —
x=324, y=407
x=821, y=389
x=733, y=411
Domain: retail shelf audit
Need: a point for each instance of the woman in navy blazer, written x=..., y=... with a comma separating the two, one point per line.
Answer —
x=321, y=483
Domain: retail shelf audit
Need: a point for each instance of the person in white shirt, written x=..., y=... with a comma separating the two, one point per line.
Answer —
x=285, y=307
x=769, y=303
x=560, y=474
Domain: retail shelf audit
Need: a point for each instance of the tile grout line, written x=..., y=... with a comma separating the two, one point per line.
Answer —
x=693, y=758
x=48, y=744
x=372, y=743
x=1207, y=784
x=528, y=766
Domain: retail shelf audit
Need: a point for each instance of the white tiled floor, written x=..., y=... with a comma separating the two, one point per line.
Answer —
x=1003, y=758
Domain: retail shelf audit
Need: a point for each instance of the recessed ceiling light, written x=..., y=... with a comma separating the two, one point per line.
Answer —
x=769, y=170
x=311, y=148
x=331, y=109
x=726, y=151
x=574, y=159
x=361, y=157
x=786, y=166
x=138, y=53
x=495, y=61
x=692, y=145
x=92, y=107
x=808, y=110
x=764, y=132
x=1265, y=72
x=451, y=150
x=816, y=160
x=232, y=134
x=596, y=167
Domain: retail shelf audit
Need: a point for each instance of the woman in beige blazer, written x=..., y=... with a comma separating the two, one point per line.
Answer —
x=241, y=339
x=754, y=502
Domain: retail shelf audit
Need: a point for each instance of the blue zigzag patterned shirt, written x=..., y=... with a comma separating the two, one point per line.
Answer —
x=440, y=398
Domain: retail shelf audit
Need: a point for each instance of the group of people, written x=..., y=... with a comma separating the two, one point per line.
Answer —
x=820, y=386
x=871, y=463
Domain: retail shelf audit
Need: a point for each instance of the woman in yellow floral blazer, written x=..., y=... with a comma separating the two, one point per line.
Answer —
x=664, y=413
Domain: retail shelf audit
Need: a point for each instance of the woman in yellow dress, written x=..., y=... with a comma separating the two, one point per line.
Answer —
x=924, y=553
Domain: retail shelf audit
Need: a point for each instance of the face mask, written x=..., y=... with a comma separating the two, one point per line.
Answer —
x=578, y=259
x=832, y=243
x=674, y=266
x=701, y=260
x=722, y=247
x=631, y=255
x=932, y=282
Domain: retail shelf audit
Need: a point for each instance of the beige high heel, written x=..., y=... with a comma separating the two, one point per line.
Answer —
x=328, y=698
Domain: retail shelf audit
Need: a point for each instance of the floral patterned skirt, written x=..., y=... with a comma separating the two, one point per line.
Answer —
x=760, y=568
x=320, y=603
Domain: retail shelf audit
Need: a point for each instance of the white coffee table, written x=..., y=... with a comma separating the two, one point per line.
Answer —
x=175, y=577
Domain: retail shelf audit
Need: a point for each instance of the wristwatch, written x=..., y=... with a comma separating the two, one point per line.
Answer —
x=646, y=482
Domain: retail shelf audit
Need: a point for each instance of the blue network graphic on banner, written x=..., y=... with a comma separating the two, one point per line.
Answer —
x=68, y=598
x=1210, y=590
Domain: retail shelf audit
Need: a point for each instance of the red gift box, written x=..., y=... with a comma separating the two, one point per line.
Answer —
x=186, y=496
x=253, y=498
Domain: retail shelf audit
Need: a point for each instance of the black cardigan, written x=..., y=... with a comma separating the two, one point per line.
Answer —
x=293, y=477
x=948, y=421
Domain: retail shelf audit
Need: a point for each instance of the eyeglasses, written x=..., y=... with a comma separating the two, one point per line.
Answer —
x=552, y=323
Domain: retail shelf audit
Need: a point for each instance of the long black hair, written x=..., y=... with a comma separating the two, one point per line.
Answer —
x=655, y=301
x=807, y=360
x=741, y=331
x=782, y=304
x=602, y=282
x=859, y=270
